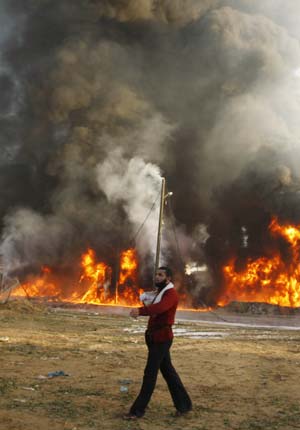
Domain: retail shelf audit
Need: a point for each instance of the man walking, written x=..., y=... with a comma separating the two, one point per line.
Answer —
x=159, y=337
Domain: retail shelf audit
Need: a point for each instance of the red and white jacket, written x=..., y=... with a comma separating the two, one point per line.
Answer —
x=162, y=314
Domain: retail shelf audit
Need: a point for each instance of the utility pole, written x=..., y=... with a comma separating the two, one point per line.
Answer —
x=163, y=197
x=160, y=219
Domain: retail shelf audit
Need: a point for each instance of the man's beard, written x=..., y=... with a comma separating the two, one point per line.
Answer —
x=161, y=285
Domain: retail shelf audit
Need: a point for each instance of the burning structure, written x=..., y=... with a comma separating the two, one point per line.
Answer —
x=99, y=98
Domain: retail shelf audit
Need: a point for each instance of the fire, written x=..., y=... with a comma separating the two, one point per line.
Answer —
x=38, y=287
x=97, y=277
x=274, y=280
x=127, y=292
x=128, y=265
x=94, y=285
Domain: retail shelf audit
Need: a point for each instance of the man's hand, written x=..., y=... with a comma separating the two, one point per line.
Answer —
x=134, y=313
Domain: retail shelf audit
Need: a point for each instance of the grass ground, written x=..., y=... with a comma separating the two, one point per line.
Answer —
x=238, y=378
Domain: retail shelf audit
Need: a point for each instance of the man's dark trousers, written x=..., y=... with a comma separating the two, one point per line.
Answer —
x=159, y=359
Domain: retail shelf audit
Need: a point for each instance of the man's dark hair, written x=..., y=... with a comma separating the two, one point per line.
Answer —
x=167, y=270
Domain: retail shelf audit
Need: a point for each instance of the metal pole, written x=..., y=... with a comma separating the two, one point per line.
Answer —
x=161, y=213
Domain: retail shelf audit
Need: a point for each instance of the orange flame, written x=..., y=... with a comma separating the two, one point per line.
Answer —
x=270, y=280
x=97, y=276
x=39, y=287
x=127, y=290
x=95, y=283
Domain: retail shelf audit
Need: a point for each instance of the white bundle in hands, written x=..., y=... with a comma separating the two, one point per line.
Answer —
x=148, y=297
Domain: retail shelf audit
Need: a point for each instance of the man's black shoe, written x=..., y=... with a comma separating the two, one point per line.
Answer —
x=131, y=416
x=182, y=413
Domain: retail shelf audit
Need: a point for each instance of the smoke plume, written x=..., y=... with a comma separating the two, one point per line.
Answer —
x=100, y=98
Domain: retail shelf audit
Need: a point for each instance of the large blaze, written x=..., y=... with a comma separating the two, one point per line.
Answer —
x=94, y=285
x=273, y=279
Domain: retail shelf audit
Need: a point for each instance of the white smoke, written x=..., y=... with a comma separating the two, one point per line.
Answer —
x=137, y=186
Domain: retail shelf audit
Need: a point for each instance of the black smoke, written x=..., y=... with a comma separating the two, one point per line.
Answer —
x=98, y=98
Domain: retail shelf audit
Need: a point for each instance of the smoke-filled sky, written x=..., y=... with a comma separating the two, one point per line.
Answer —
x=101, y=97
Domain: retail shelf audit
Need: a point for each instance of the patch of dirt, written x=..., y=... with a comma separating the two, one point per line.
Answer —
x=239, y=378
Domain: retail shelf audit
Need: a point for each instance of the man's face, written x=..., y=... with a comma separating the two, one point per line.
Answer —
x=161, y=278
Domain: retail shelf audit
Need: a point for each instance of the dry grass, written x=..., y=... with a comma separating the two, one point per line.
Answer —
x=247, y=379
